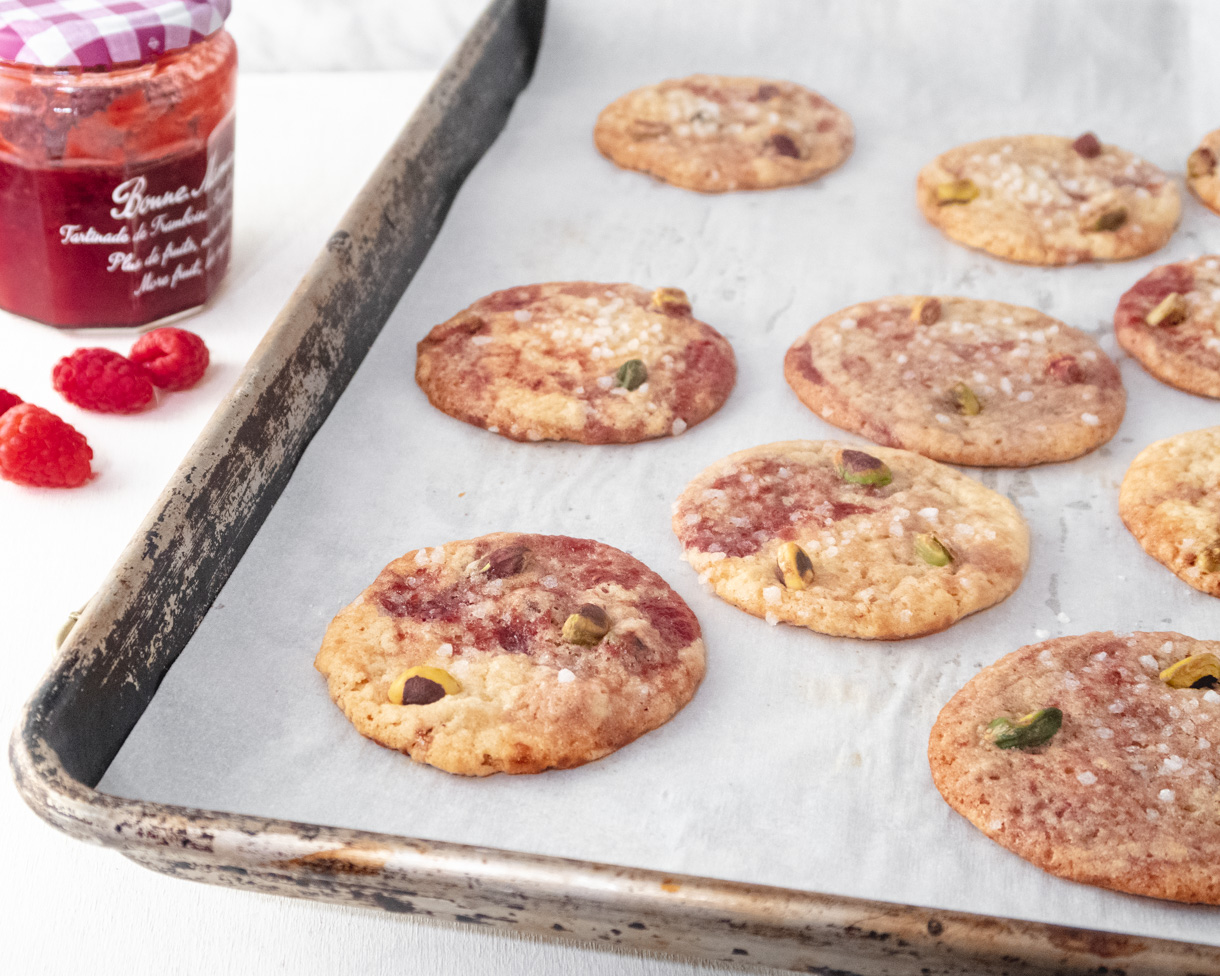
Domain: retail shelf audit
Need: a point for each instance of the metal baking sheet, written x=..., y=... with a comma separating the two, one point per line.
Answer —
x=801, y=761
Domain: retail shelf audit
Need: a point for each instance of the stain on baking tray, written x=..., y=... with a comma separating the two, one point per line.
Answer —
x=342, y=860
x=391, y=904
x=1107, y=945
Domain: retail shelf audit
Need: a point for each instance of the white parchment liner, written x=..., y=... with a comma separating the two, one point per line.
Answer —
x=802, y=759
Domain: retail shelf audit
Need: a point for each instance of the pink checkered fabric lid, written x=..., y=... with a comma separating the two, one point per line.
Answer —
x=100, y=33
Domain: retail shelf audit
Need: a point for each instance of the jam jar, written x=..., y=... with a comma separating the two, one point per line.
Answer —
x=116, y=158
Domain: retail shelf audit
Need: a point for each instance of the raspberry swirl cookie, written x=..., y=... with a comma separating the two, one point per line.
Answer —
x=512, y=653
x=882, y=544
x=1170, y=322
x=1094, y=758
x=1170, y=500
x=959, y=380
x=577, y=361
x=1201, y=171
x=1049, y=200
x=713, y=133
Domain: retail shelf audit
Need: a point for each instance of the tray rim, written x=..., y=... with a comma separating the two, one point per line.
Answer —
x=557, y=898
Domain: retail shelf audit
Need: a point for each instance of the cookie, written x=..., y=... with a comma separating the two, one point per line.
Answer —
x=714, y=133
x=1123, y=795
x=1169, y=322
x=1170, y=500
x=1201, y=171
x=577, y=361
x=512, y=653
x=881, y=545
x=1049, y=200
x=959, y=380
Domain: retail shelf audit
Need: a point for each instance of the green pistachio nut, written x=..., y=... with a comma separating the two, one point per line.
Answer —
x=965, y=400
x=1111, y=219
x=631, y=375
x=931, y=550
x=587, y=626
x=1035, y=729
x=858, y=468
x=1189, y=671
x=1208, y=560
x=795, y=566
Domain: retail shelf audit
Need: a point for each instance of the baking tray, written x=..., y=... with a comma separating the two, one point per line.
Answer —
x=155, y=599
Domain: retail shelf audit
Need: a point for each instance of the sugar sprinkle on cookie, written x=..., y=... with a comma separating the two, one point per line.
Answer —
x=1170, y=500
x=1169, y=321
x=578, y=361
x=850, y=540
x=512, y=653
x=1094, y=758
x=1049, y=200
x=959, y=380
x=715, y=133
x=1203, y=170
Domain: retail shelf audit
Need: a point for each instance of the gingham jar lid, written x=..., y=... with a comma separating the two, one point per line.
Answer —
x=101, y=33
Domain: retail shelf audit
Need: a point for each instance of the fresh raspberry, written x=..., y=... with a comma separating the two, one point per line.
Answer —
x=39, y=449
x=175, y=359
x=8, y=400
x=98, y=379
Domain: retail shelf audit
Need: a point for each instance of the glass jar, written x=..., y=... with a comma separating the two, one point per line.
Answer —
x=116, y=176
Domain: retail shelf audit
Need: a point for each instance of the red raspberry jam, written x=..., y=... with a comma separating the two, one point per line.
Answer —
x=116, y=186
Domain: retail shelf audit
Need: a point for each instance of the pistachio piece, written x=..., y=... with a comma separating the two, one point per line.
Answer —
x=631, y=375
x=671, y=301
x=1170, y=311
x=1209, y=559
x=1064, y=368
x=1111, y=219
x=1189, y=671
x=1201, y=162
x=931, y=550
x=586, y=626
x=502, y=562
x=1087, y=146
x=422, y=685
x=926, y=311
x=956, y=191
x=965, y=400
x=795, y=566
x=858, y=468
x=785, y=145
x=1035, y=729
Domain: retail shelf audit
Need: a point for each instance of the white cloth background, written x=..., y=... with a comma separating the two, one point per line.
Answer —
x=349, y=35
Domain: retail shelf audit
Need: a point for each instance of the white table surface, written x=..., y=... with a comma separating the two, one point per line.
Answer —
x=306, y=144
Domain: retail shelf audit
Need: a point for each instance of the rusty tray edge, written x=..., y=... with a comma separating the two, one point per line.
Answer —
x=166, y=579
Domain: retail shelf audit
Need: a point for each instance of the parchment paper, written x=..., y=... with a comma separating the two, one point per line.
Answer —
x=802, y=759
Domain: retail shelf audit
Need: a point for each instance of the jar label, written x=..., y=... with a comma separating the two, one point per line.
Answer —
x=113, y=245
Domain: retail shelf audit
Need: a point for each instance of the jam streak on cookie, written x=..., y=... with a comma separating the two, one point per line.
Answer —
x=1124, y=796
x=894, y=334
x=1150, y=291
x=523, y=613
x=1198, y=335
x=705, y=367
x=877, y=368
x=771, y=499
x=540, y=361
x=1170, y=322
